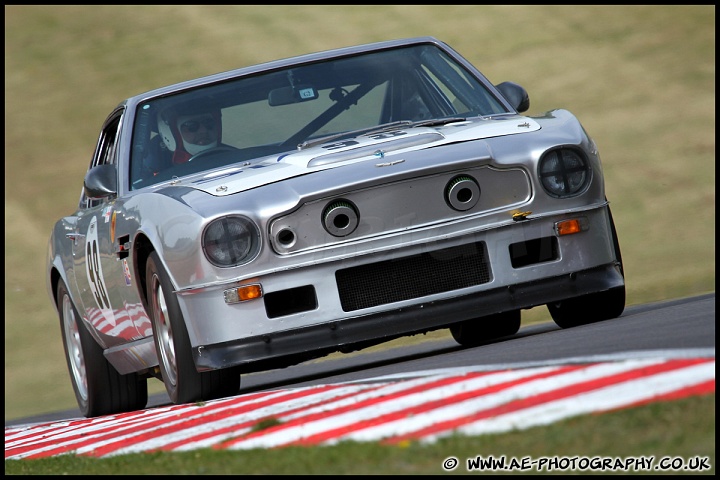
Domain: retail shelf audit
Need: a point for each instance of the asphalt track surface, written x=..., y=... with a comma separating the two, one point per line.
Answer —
x=682, y=328
x=421, y=393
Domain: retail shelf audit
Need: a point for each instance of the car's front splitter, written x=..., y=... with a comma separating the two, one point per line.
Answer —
x=284, y=347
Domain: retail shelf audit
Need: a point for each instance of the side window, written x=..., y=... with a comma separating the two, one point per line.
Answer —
x=105, y=153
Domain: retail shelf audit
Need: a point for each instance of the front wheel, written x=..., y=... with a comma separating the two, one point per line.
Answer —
x=99, y=388
x=476, y=331
x=184, y=384
x=593, y=307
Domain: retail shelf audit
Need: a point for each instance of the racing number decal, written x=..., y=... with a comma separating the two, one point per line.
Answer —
x=374, y=136
x=95, y=276
x=94, y=271
x=336, y=145
x=384, y=135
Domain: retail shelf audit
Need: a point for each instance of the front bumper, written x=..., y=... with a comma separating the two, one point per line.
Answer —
x=379, y=295
x=398, y=322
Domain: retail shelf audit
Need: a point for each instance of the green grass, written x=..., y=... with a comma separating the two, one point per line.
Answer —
x=640, y=78
x=681, y=429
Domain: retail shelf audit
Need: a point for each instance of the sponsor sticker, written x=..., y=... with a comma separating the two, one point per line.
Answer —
x=126, y=269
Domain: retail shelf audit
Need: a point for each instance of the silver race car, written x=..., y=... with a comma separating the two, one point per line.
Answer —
x=273, y=214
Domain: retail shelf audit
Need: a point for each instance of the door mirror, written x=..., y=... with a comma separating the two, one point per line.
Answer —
x=516, y=95
x=101, y=182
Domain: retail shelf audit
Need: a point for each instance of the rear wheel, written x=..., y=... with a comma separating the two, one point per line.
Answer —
x=184, y=384
x=476, y=331
x=99, y=388
x=594, y=307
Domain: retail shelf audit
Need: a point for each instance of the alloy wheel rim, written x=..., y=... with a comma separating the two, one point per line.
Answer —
x=164, y=332
x=74, y=348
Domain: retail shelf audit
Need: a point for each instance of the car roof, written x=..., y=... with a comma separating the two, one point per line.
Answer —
x=282, y=63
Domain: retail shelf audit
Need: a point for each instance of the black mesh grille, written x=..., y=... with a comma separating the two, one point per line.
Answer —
x=412, y=277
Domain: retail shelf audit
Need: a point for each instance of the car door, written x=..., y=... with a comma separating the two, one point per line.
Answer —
x=100, y=274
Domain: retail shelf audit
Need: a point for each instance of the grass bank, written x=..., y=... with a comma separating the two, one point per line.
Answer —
x=640, y=78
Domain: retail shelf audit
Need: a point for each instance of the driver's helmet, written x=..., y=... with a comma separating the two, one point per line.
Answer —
x=170, y=120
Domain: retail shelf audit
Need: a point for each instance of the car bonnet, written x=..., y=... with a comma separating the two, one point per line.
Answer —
x=240, y=177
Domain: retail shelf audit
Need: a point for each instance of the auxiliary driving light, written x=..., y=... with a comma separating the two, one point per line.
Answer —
x=243, y=293
x=340, y=218
x=568, y=227
x=462, y=193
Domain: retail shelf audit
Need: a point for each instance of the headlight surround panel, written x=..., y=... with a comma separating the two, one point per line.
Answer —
x=231, y=241
x=564, y=172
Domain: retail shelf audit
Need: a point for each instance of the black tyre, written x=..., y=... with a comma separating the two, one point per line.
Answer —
x=184, y=384
x=477, y=331
x=99, y=388
x=594, y=307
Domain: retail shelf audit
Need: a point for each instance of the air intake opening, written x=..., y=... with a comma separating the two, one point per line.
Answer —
x=292, y=300
x=539, y=250
x=389, y=281
x=286, y=237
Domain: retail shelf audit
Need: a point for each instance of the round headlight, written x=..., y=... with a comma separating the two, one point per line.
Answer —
x=231, y=241
x=564, y=172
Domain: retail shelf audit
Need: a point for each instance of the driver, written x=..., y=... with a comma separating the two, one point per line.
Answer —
x=188, y=133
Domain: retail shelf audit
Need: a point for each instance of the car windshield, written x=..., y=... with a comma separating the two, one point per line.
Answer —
x=279, y=111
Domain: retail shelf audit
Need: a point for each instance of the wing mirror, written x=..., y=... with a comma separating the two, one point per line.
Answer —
x=515, y=94
x=101, y=182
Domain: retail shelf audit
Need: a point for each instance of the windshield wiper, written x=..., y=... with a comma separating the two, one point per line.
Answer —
x=434, y=122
